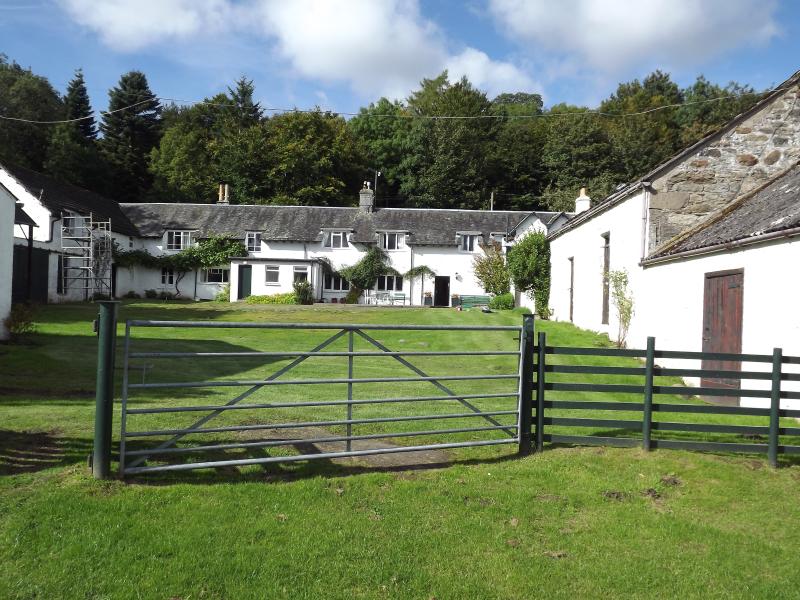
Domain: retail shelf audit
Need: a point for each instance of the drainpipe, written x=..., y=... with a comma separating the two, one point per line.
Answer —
x=411, y=283
x=645, y=210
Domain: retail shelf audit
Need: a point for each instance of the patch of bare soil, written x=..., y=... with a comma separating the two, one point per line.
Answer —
x=304, y=444
x=28, y=452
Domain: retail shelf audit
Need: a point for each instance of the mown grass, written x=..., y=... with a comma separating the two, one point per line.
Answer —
x=570, y=522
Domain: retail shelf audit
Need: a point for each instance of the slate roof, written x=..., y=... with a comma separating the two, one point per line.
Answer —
x=773, y=207
x=21, y=217
x=305, y=223
x=58, y=196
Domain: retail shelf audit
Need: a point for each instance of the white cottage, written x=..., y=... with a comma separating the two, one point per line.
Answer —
x=707, y=239
x=7, y=220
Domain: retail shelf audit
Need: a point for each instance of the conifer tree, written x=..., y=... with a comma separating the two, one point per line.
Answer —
x=78, y=106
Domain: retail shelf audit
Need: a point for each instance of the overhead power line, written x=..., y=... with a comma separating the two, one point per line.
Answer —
x=410, y=115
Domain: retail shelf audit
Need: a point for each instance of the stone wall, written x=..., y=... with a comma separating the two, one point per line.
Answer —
x=740, y=160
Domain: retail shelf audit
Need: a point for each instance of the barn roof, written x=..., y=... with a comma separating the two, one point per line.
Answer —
x=305, y=223
x=773, y=207
x=21, y=217
x=58, y=196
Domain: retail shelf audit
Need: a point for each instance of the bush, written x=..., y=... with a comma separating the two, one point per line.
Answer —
x=132, y=295
x=152, y=294
x=224, y=294
x=502, y=302
x=303, y=292
x=353, y=294
x=166, y=296
x=20, y=320
x=287, y=298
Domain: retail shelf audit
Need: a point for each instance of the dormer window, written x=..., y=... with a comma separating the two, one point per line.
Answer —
x=178, y=240
x=468, y=241
x=252, y=240
x=392, y=240
x=498, y=237
x=335, y=239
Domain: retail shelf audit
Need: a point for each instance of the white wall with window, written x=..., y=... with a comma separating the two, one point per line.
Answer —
x=335, y=239
x=392, y=240
x=270, y=277
x=178, y=239
x=252, y=240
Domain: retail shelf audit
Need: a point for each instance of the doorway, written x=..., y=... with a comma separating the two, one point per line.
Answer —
x=722, y=329
x=441, y=291
x=245, y=281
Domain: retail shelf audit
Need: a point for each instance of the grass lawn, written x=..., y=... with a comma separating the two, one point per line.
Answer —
x=569, y=522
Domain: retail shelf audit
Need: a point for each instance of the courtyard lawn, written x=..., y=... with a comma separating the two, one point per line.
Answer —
x=570, y=522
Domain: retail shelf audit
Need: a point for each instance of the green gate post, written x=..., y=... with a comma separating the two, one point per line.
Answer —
x=540, y=369
x=525, y=385
x=104, y=389
x=647, y=414
x=775, y=407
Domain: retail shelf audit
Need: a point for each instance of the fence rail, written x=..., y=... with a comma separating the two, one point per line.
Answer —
x=648, y=390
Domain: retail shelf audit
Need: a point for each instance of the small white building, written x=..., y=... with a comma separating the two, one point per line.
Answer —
x=708, y=242
x=7, y=220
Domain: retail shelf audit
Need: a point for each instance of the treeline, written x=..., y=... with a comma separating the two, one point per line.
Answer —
x=509, y=147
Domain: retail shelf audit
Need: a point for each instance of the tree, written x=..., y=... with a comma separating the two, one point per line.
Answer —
x=245, y=111
x=491, y=270
x=529, y=266
x=131, y=129
x=701, y=115
x=24, y=95
x=78, y=106
x=622, y=299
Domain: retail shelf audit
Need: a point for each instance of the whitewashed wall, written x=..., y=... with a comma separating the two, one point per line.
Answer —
x=6, y=255
x=585, y=243
x=670, y=301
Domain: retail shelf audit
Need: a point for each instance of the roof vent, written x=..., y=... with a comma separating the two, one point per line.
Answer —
x=366, y=198
x=582, y=202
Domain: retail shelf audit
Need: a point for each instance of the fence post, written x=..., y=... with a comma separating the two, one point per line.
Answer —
x=104, y=389
x=525, y=385
x=774, y=407
x=647, y=414
x=540, y=365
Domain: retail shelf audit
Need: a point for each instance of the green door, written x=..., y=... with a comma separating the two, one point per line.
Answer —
x=245, y=279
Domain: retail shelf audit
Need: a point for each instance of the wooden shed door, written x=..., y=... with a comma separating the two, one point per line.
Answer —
x=722, y=327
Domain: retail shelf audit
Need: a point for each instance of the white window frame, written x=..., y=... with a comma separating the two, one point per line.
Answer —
x=498, y=237
x=335, y=283
x=399, y=240
x=468, y=242
x=223, y=272
x=385, y=279
x=300, y=269
x=167, y=276
x=332, y=238
x=252, y=240
x=178, y=239
x=272, y=269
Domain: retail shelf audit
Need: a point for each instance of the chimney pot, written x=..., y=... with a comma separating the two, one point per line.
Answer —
x=223, y=194
x=582, y=202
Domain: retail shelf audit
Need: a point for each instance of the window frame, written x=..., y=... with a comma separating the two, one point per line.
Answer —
x=331, y=279
x=300, y=269
x=225, y=275
x=272, y=269
x=185, y=236
x=256, y=235
x=167, y=276
x=399, y=240
x=468, y=239
x=341, y=235
x=384, y=279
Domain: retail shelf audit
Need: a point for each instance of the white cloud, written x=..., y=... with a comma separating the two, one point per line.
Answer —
x=374, y=46
x=613, y=35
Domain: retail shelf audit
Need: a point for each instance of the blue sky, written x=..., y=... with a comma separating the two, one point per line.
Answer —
x=341, y=54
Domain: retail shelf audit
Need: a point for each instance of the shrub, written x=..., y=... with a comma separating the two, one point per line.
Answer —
x=20, y=320
x=502, y=302
x=353, y=294
x=529, y=265
x=303, y=292
x=132, y=295
x=152, y=294
x=287, y=298
x=167, y=295
x=622, y=298
x=491, y=270
x=224, y=294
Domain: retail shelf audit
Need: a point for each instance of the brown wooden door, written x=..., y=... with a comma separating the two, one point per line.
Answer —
x=722, y=328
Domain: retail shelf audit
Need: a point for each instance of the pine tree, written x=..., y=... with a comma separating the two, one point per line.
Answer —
x=131, y=129
x=246, y=112
x=78, y=106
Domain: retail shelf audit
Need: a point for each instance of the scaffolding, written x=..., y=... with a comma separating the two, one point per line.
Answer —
x=86, y=256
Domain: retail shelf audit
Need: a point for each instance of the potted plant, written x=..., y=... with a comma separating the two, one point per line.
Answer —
x=427, y=299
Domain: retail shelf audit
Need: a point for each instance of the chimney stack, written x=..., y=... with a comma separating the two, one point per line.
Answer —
x=582, y=202
x=366, y=198
x=224, y=191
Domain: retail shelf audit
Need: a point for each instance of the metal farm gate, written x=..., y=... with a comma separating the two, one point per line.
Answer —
x=348, y=392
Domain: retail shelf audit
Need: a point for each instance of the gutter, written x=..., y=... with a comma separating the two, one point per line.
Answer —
x=724, y=246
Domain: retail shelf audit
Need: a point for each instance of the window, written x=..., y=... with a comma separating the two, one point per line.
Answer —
x=336, y=239
x=300, y=274
x=468, y=242
x=390, y=283
x=178, y=240
x=336, y=284
x=167, y=276
x=219, y=275
x=606, y=269
x=498, y=237
x=252, y=240
x=392, y=241
x=272, y=273
x=60, y=275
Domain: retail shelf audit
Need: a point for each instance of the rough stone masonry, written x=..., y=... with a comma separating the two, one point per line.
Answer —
x=726, y=167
